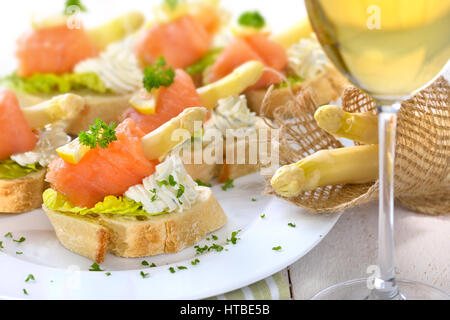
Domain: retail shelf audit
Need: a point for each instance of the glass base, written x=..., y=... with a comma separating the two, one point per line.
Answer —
x=357, y=290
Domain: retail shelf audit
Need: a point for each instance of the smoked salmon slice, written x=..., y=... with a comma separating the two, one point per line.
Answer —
x=53, y=50
x=181, y=94
x=103, y=172
x=253, y=47
x=181, y=42
x=16, y=136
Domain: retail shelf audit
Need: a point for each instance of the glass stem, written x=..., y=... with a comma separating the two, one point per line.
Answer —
x=385, y=284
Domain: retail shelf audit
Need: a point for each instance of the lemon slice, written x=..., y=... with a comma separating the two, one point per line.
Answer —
x=161, y=141
x=145, y=102
x=72, y=152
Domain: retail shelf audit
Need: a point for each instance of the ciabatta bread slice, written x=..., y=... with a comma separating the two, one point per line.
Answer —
x=129, y=237
x=23, y=194
x=108, y=107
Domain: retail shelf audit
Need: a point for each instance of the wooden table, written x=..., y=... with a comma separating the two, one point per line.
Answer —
x=422, y=251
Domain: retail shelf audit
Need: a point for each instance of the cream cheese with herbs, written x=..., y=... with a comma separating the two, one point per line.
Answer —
x=117, y=67
x=232, y=113
x=169, y=189
x=51, y=137
x=306, y=59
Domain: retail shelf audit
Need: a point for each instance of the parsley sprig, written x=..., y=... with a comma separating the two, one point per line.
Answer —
x=158, y=75
x=252, y=19
x=172, y=3
x=99, y=134
x=73, y=3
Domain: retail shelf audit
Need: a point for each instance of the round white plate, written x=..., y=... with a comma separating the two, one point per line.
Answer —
x=61, y=274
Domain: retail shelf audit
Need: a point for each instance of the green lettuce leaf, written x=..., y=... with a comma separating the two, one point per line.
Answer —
x=10, y=169
x=51, y=83
x=111, y=204
x=205, y=62
x=292, y=79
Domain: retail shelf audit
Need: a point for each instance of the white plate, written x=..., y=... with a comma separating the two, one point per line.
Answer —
x=61, y=274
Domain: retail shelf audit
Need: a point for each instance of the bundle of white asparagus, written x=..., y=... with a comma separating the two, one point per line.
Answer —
x=352, y=165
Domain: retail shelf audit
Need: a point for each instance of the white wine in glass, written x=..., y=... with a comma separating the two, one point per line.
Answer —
x=390, y=49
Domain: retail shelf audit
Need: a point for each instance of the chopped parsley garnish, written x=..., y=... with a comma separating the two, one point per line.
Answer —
x=263, y=216
x=95, y=267
x=233, y=238
x=180, y=191
x=19, y=252
x=22, y=239
x=158, y=75
x=228, y=185
x=145, y=263
x=200, y=250
x=25, y=291
x=172, y=270
x=216, y=247
x=290, y=224
x=202, y=184
x=171, y=3
x=182, y=268
x=195, y=262
x=252, y=19
x=30, y=277
x=99, y=134
x=9, y=235
x=71, y=3
x=253, y=199
x=163, y=183
x=145, y=275
x=276, y=248
x=215, y=237
x=1, y=245
x=108, y=274
x=172, y=181
x=154, y=198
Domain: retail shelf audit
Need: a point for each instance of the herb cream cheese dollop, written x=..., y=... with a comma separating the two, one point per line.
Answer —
x=51, y=137
x=307, y=59
x=169, y=189
x=117, y=67
x=233, y=114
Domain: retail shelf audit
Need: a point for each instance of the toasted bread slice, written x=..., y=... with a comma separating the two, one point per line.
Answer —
x=325, y=88
x=92, y=236
x=23, y=194
x=108, y=107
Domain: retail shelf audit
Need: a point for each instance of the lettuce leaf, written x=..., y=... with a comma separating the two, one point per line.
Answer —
x=111, y=204
x=10, y=169
x=292, y=79
x=205, y=62
x=51, y=83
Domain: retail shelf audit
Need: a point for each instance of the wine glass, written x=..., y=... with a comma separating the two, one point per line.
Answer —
x=390, y=49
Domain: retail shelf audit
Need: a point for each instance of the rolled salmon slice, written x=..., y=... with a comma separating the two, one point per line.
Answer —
x=171, y=102
x=181, y=42
x=53, y=50
x=103, y=172
x=243, y=49
x=16, y=136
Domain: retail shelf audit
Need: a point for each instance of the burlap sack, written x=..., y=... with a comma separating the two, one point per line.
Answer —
x=422, y=172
